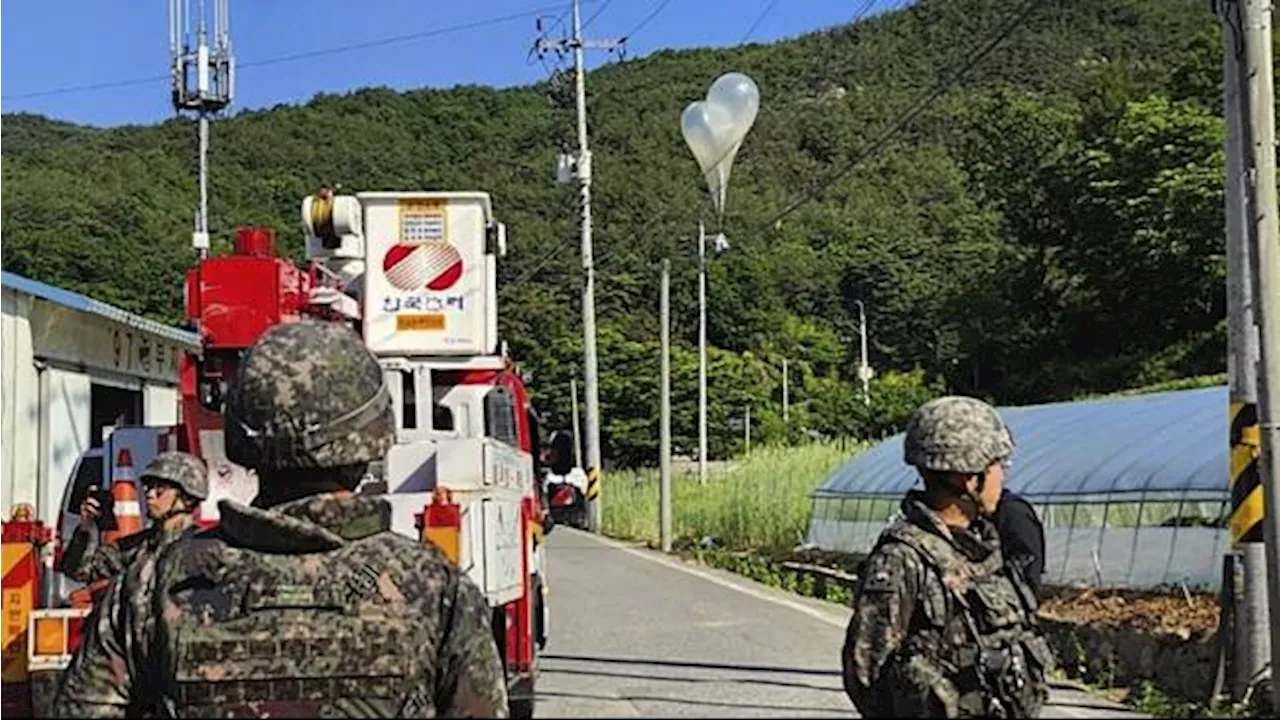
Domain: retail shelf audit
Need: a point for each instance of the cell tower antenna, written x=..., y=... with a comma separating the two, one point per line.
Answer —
x=203, y=83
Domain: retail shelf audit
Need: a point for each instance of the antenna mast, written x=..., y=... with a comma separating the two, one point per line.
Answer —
x=203, y=83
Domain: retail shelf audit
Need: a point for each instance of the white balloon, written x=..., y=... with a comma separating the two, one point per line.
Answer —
x=708, y=130
x=715, y=128
x=738, y=95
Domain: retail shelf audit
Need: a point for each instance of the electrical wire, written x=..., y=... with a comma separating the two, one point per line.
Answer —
x=947, y=79
x=759, y=19
x=398, y=38
x=882, y=140
x=866, y=6
x=648, y=19
x=380, y=42
x=596, y=14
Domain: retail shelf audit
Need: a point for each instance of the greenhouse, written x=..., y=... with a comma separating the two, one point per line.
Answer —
x=1132, y=491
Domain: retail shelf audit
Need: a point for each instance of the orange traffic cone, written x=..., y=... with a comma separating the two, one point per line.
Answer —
x=124, y=493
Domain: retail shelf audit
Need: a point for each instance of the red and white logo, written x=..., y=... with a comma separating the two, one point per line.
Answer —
x=435, y=266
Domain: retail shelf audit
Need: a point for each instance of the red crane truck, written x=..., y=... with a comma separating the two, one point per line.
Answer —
x=416, y=274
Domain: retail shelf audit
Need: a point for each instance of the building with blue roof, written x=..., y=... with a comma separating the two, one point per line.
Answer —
x=1132, y=491
x=73, y=369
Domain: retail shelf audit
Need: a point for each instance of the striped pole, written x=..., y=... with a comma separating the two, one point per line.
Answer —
x=1244, y=524
x=1246, y=481
x=1259, y=69
x=593, y=485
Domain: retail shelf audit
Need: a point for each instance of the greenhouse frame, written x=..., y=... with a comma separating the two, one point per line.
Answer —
x=1133, y=492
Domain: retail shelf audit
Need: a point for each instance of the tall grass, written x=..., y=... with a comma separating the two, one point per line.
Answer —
x=760, y=501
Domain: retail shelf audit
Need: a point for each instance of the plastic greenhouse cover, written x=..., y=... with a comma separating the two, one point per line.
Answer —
x=1163, y=446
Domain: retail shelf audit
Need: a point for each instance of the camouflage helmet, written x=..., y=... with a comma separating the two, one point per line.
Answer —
x=308, y=394
x=184, y=470
x=956, y=434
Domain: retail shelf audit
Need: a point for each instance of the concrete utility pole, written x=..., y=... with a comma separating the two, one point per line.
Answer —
x=583, y=162
x=702, y=353
x=213, y=71
x=746, y=424
x=864, y=370
x=664, y=423
x=1260, y=74
x=786, y=397
x=1242, y=354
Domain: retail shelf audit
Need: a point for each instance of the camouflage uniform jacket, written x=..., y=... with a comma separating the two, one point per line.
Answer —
x=314, y=608
x=110, y=559
x=942, y=627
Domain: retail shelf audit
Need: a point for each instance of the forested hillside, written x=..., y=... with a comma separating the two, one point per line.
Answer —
x=1050, y=225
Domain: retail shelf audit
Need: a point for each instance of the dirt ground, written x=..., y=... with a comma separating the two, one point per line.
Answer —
x=1174, y=612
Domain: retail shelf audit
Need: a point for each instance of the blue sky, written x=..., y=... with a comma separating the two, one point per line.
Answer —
x=52, y=45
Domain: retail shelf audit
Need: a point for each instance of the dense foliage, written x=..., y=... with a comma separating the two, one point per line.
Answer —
x=1050, y=226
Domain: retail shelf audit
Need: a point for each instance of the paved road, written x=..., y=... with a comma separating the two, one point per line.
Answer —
x=638, y=634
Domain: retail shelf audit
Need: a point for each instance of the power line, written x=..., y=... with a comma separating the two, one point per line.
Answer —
x=894, y=128
x=546, y=258
x=649, y=18
x=759, y=19
x=948, y=79
x=862, y=12
x=87, y=88
x=609, y=253
x=596, y=14
x=400, y=38
x=302, y=55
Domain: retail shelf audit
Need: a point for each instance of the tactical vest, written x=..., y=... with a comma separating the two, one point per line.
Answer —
x=980, y=632
x=251, y=634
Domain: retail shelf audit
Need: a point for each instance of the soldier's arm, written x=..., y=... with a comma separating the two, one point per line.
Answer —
x=882, y=612
x=471, y=678
x=77, y=555
x=97, y=684
x=108, y=560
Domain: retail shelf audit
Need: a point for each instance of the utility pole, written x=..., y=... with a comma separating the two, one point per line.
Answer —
x=583, y=163
x=577, y=438
x=1251, y=639
x=702, y=353
x=664, y=423
x=864, y=370
x=212, y=69
x=747, y=429
x=1260, y=77
x=786, y=398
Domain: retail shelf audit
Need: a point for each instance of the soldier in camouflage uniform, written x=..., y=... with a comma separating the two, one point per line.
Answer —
x=176, y=483
x=942, y=626
x=305, y=604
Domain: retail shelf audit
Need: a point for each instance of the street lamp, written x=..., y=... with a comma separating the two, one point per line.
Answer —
x=864, y=370
x=714, y=129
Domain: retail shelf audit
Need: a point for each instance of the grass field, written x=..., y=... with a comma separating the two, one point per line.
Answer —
x=760, y=501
